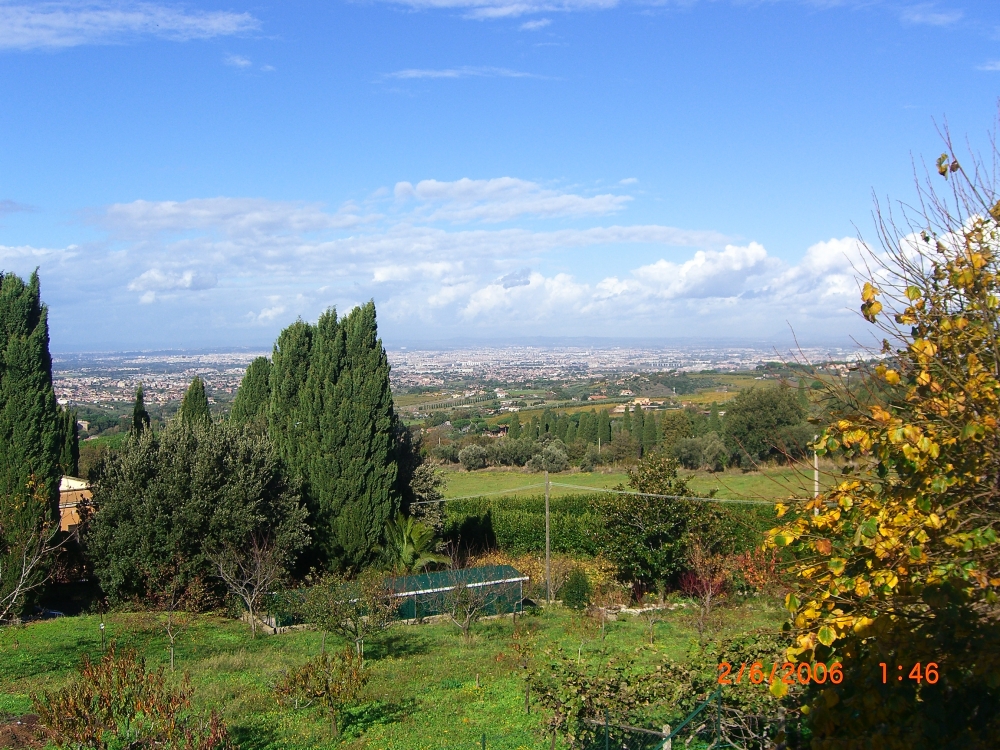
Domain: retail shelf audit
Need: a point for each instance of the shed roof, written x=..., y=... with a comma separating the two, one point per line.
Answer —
x=446, y=579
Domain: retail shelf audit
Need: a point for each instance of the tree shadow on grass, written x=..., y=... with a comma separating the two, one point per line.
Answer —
x=253, y=736
x=358, y=720
x=397, y=642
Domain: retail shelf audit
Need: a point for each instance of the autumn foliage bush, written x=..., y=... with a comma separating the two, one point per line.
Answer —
x=116, y=702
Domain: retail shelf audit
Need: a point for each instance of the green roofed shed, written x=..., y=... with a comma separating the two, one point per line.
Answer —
x=498, y=588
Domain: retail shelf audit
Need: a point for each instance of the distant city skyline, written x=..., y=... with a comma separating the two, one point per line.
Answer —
x=191, y=175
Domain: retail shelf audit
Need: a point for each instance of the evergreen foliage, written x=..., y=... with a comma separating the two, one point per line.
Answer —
x=140, y=417
x=69, y=443
x=757, y=421
x=194, y=408
x=254, y=395
x=289, y=368
x=332, y=417
x=29, y=422
x=575, y=593
x=166, y=501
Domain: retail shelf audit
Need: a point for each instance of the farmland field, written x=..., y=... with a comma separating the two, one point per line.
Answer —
x=768, y=484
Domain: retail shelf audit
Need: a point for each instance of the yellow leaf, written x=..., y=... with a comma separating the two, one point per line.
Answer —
x=779, y=689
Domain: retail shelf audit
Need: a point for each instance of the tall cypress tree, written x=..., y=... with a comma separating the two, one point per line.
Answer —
x=69, y=442
x=604, y=427
x=648, y=432
x=140, y=417
x=289, y=370
x=254, y=394
x=29, y=421
x=627, y=421
x=322, y=434
x=194, y=408
x=514, y=431
x=367, y=472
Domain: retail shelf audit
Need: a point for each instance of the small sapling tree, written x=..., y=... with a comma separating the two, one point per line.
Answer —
x=250, y=572
x=329, y=681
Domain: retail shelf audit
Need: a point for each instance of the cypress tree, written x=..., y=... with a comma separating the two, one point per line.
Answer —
x=29, y=422
x=649, y=433
x=140, y=417
x=362, y=497
x=637, y=423
x=289, y=370
x=194, y=408
x=570, y=432
x=514, y=431
x=604, y=427
x=561, y=427
x=627, y=421
x=254, y=394
x=69, y=443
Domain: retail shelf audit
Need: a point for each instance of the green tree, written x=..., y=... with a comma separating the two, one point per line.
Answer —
x=604, y=427
x=675, y=425
x=514, y=431
x=587, y=431
x=571, y=432
x=174, y=497
x=353, y=475
x=194, y=408
x=140, y=417
x=650, y=538
x=649, y=433
x=755, y=422
x=289, y=370
x=627, y=420
x=29, y=434
x=69, y=442
x=254, y=395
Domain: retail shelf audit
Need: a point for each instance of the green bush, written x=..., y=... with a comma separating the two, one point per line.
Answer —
x=575, y=593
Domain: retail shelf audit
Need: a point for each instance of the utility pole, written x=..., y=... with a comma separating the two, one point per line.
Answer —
x=548, y=560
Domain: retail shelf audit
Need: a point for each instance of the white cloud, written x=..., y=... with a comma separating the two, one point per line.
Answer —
x=234, y=216
x=237, y=61
x=508, y=8
x=928, y=15
x=255, y=264
x=462, y=72
x=992, y=65
x=628, y=181
x=502, y=199
x=541, y=23
x=156, y=280
x=25, y=26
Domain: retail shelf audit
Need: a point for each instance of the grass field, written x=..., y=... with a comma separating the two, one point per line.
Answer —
x=768, y=484
x=422, y=693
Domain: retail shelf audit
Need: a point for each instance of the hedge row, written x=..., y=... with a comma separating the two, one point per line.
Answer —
x=516, y=524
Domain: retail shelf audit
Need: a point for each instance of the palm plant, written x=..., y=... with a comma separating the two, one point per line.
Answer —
x=409, y=545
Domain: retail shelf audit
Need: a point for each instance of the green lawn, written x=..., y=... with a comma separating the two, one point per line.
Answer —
x=422, y=694
x=769, y=484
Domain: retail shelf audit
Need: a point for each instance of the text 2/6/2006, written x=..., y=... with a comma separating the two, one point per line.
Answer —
x=803, y=672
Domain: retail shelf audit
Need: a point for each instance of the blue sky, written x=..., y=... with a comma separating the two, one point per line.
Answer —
x=201, y=174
